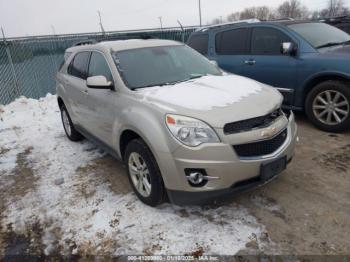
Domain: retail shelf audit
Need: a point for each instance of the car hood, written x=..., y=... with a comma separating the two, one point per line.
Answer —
x=341, y=51
x=216, y=100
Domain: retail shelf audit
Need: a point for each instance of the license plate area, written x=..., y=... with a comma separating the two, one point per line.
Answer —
x=271, y=169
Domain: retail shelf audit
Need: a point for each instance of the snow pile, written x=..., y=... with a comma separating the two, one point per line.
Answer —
x=205, y=93
x=102, y=221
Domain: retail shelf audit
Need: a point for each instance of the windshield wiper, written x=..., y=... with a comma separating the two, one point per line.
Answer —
x=330, y=44
x=346, y=42
x=185, y=80
x=169, y=83
x=151, y=85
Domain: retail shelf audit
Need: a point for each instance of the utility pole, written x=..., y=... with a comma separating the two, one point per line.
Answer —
x=161, y=22
x=99, y=15
x=200, y=13
x=53, y=30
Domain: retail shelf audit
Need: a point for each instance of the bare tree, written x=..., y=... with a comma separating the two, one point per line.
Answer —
x=247, y=13
x=260, y=12
x=292, y=9
x=335, y=8
x=233, y=17
x=215, y=21
x=264, y=13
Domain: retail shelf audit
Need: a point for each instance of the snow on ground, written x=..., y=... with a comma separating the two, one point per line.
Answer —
x=101, y=221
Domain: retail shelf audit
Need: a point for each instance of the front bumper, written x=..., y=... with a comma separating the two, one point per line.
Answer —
x=206, y=197
x=233, y=174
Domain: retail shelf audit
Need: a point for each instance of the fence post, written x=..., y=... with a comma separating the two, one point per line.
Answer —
x=9, y=57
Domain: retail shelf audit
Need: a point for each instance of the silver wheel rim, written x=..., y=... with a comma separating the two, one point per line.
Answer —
x=66, y=123
x=139, y=174
x=331, y=107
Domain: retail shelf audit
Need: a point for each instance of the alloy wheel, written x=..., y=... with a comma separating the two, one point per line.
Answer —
x=66, y=122
x=139, y=174
x=331, y=107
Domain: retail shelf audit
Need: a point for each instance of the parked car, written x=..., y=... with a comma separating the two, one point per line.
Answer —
x=308, y=62
x=182, y=126
x=341, y=22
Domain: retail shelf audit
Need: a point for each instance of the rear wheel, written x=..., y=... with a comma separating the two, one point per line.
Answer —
x=144, y=174
x=328, y=106
x=68, y=126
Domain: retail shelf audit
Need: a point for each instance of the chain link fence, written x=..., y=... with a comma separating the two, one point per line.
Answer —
x=28, y=65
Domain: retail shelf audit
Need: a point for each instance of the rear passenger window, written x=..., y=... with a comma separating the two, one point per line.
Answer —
x=232, y=42
x=267, y=41
x=78, y=67
x=199, y=43
x=99, y=67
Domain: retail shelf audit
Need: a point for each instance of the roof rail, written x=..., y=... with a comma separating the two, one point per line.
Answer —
x=246, y=21
x=281, y=19
x=143, y=36
x=86, y=42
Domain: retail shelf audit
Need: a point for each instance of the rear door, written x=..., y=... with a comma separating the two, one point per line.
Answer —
x=76, y=86
x=267, y=64
x=232, y=49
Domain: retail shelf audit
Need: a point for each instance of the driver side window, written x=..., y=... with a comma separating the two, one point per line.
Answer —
x=267, y=41
x=99, y=67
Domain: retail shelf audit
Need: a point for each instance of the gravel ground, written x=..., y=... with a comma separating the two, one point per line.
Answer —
x=59, y=197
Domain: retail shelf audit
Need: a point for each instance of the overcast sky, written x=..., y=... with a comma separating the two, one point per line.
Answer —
x=37, y=17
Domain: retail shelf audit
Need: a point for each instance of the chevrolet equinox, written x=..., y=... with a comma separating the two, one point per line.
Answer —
x=184, y=128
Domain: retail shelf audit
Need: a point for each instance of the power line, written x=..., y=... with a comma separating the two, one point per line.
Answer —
x=200, y=13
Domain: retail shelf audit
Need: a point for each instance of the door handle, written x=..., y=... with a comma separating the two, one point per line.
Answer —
x=250, y=62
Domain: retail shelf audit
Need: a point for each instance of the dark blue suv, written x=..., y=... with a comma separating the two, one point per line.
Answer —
x=309, y=62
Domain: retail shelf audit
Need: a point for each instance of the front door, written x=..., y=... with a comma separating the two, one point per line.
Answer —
x=268, y=65
x=102, y=104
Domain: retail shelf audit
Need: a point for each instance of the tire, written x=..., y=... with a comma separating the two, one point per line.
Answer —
x=325, y=101
x=150, y=171
x=68, y=126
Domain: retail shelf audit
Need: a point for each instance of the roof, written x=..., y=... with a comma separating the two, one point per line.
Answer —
x=246, y=21
x=283, y=22
x=119, y=45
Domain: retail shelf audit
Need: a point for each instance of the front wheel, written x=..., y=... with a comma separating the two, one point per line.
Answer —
x=328, y=106
x=144, y=174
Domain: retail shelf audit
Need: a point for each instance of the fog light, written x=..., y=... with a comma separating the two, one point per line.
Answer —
x=195, y=177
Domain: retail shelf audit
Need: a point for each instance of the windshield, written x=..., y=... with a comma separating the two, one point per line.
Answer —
x=154, y=66
x=320, y=34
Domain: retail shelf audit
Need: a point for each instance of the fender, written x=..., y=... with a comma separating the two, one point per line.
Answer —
x=145, y=122
x=314, y=79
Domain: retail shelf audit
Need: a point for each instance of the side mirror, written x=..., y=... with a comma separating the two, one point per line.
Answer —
x=98, y=82
x=288, y=48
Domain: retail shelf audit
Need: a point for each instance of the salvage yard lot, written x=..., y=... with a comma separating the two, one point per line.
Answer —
x=60, y=197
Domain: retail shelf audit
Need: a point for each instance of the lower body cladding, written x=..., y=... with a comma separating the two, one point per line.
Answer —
x=212, y=172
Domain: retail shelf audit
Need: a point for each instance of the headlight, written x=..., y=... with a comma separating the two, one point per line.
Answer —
x=190, y=131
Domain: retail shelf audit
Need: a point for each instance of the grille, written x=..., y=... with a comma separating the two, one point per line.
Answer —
x=252, y=123
x=261, y=148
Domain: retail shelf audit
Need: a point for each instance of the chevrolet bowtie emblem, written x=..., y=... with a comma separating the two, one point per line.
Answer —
x=268, y=132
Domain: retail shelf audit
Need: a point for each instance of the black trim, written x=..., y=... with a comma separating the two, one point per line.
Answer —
x=97, y=142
